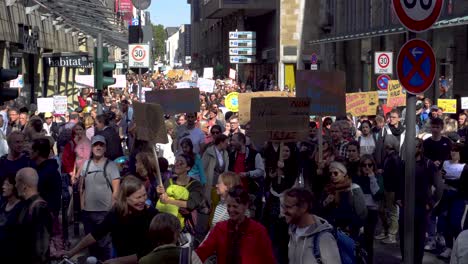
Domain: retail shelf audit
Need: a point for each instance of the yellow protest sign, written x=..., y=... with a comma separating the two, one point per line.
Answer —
x=359, y=104
x=396, y=97
x=232, y=102
x=187, y=75
x=449, y=106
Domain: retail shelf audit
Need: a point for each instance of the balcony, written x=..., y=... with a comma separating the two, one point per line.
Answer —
x=223, y=8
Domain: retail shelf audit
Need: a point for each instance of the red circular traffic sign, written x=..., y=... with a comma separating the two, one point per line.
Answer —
x=418, y=15
x=382, y=82
x=138, y=53
x=416, y=66
x=383, y=60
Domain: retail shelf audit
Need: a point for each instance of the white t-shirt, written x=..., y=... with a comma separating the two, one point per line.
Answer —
x=367, y=145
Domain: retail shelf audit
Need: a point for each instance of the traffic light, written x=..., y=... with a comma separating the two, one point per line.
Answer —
x=7, y=94
x=103, y=75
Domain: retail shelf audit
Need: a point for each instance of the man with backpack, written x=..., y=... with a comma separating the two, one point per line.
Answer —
x=99, y=185
x=312, y=238
x=65, y=132
x=34, y=225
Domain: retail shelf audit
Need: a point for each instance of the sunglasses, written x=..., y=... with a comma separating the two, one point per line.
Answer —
x=368, y=165
x=334, y=173
x=215, y=132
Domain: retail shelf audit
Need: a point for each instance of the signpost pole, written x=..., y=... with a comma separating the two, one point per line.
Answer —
x=409, y=203
x=98, y=86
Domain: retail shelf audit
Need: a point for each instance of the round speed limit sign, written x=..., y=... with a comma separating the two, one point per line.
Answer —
x=138, y=56
x=383, y=63
x=418, y=15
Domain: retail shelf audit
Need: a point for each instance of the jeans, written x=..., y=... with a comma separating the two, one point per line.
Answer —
x=102, y=250
x=389, y=214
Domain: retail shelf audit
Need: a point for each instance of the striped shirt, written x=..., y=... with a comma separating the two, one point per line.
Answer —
x=221, y=213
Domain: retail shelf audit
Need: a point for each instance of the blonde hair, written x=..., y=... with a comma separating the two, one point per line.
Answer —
x=230, y=179
x=451, y=125
x=88, y=122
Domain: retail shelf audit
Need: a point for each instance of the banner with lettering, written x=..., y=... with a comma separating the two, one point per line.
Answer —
x=396, y=97
x=359, y=104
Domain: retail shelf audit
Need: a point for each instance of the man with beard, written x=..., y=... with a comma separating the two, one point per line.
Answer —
x=306, y=229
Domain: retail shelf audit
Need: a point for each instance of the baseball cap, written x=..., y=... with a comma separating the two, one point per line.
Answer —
x=48, y=115
x=97, y=139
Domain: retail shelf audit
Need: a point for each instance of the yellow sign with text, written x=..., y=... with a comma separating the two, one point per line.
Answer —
x=359, y=104
x=448, y=106
x=395, y=97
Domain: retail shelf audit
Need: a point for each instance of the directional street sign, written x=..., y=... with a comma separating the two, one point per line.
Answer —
x=383, y=63
x=243, y=43
x=418, y=15
x=241, y=59
x=416, y=66
x=242, y=35
x=242, y=51
x=382, y=82
x=139, y=56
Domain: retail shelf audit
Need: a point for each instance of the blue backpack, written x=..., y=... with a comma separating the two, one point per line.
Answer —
x=350, y=253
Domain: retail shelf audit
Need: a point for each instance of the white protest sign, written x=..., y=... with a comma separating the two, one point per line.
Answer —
x=206, y=85
x=45, y=105
x=120, y=81
x=183, y=85
x=464, y=103
x=87, y=81
x=208, y=73
x=144, y=90
x=232, y=74
x=60, y=104
x=18, y=82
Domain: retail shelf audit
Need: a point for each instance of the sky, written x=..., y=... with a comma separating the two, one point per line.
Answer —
x=170, y=13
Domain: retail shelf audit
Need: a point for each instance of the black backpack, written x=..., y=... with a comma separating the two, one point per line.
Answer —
x=105, y=174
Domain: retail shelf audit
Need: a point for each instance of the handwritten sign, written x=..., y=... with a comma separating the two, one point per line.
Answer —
x=245, y=103
x=60, y=104
x=232, y=74
x=326, y=91
x=396, y=97
x=280, y=119
x=149, y=119
x=187, y=75
x=359, y=104
x=464, y=103
x=449, y=106
x=45, y=105
x=176, y=101
x=206, y=85
x=184, y=85
x=208, y=73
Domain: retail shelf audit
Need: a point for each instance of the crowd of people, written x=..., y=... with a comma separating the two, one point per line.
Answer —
x=224, y=197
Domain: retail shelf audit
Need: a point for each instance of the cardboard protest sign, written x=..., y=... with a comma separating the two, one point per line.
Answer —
x=359, y=104
x=279, y=119
x=326, y=91
x=149, y=119
x=175, y=101
x=208, y=73
x=187, y=75
x=45, y=105
x=244, y=100
x=60, y=104
x=184, y=85
x=449, y=106
x=396, y=97
x=464, y=103
x=206, y=85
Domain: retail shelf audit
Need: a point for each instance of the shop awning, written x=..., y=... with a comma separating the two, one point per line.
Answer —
x=90, y=17
x=458, y=21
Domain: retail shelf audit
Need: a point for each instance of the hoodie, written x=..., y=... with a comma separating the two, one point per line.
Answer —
x=301, y=249
x=50, y=184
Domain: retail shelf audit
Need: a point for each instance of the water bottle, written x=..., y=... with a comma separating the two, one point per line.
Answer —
x=91, y=260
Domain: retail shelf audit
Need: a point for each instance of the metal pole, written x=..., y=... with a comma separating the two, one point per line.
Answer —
x=410, y=184
x=140, y=90
x=99, y=61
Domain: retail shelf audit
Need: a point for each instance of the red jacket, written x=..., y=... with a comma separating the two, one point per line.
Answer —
x=255, y=245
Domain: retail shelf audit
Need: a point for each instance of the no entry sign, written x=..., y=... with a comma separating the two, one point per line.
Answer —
x=418, y=15
x=382, y=82
x=139, y=56
x=383, y=63
x=416, y=66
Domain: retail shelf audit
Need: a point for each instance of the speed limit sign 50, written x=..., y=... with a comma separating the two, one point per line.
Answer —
x=383, y=63
x=138, y=56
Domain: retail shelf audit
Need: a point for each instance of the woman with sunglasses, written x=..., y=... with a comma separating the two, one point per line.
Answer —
x=343, y=203
x=371, y=184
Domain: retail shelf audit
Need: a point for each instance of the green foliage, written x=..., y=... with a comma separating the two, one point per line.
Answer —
x=159, y=41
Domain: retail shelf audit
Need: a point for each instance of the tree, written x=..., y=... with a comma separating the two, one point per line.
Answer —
x=159, y=41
